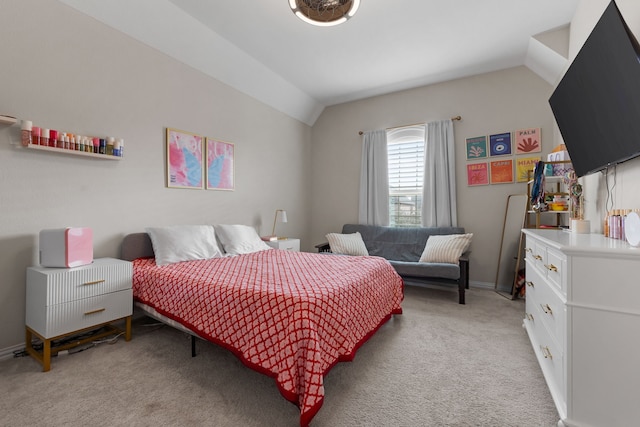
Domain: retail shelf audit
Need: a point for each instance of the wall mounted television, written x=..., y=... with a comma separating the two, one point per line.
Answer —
x=597, y=102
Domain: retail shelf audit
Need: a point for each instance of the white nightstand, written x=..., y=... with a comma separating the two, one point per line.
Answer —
x=286, y=244
x=67, y=301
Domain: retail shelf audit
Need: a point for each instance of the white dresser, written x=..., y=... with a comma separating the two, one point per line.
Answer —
x=286, y=244
x=583, y=320
x=66, y=301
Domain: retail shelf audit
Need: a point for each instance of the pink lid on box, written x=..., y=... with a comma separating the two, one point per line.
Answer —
x=79, y=247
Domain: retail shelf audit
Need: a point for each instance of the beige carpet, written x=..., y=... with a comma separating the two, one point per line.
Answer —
x=438, y=364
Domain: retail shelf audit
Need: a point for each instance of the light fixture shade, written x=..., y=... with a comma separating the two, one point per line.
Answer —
x=324, y=12
x=282, y=214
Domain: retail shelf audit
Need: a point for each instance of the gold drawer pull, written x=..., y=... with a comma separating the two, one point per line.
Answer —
x=546, y=352
x=99, y=310
x=538, y=257
x=530, y=284
x=95, y=282
x=529, y=316
x=551, y=267
x=528, y=250
x=546, y=309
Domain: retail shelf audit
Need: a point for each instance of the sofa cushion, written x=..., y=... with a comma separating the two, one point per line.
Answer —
x=396, y=243
x=447, y=248
x=347, y=244
x=426, y=270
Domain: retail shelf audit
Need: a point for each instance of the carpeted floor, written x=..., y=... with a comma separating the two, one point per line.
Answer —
x=438, y=364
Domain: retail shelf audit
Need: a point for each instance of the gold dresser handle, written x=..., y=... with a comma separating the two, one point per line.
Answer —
x=551, y=267
x=95, y=282
x=528, y=250
x=538, y=257
x=546, y=309
x=546, y=352
x=530, y=284
x=99, y=310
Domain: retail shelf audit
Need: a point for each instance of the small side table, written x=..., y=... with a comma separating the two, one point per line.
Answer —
x=66, y=301
x=286, y=244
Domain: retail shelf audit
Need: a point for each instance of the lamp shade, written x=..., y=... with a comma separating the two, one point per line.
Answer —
x=281, y=214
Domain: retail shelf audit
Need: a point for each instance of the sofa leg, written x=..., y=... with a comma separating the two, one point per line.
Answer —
x=461, y=289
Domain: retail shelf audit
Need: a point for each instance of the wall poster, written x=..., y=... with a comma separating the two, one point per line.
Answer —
x=184, y=160
x=501, y=171
x=477, y=174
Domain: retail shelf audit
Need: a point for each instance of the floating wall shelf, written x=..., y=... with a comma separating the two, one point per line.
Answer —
x=72, y=152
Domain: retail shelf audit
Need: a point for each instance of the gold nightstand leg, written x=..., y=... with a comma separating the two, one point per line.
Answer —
x=127, y=330
x=46, y=355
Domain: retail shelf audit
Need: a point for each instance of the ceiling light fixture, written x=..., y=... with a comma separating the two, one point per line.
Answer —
x=324, y=13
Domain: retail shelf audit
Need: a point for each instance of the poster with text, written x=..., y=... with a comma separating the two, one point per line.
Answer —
x=525, y=167
x=476, y=148
x=477, y=174
x=500, y=144
x=528, y=141
x=501, y=171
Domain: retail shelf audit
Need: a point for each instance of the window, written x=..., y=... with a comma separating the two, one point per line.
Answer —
x=405, y=149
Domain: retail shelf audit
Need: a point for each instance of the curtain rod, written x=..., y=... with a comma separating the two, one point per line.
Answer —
x=414, y=124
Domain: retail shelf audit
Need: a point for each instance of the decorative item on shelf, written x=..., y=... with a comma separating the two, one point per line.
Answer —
x=324, y=12
x=632, y=228
x=575, y=195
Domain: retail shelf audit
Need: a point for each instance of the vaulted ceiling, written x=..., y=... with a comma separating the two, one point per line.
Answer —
x=262, y=49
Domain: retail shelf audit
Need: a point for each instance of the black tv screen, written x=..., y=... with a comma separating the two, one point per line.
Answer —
x=597, y=102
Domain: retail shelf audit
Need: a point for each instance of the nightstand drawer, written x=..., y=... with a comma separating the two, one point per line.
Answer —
x=50, y=286
x=285, y=244
x=61, y=319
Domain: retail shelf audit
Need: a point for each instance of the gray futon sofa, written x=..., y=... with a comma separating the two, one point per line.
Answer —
x=403, y=246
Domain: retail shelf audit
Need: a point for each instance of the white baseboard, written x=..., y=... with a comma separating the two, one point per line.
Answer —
x=7, y=353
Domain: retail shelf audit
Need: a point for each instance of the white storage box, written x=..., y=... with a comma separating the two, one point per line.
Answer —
x=66, y=247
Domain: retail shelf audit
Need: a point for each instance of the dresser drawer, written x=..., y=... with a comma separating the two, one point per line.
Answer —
x=71, y=316
x=555, y=267
x=51, y=286
x=552, y=311
x=550, y=356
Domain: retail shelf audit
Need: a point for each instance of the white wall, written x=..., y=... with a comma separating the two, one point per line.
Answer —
x=625, y=194
x=490, y=103
x=66, y=71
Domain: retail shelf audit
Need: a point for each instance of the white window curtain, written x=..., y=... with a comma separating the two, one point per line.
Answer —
x=439, y=191
x=374, y=179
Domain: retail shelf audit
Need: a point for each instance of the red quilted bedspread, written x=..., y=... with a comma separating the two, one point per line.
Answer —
x=290, y=315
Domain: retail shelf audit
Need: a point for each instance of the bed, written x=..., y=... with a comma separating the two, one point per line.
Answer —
x=289, y=315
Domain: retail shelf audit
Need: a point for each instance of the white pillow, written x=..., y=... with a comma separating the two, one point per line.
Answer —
x=347, y=244
x=446, y=248
x=178, y=243
x=240, y=239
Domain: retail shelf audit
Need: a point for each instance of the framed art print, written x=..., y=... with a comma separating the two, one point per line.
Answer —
x=500, y=144
x=528, y=141
x=184, y=160
x=476, y=148
x=501, y=171
x=477, y=174
x=220, y=165
x=525, y=167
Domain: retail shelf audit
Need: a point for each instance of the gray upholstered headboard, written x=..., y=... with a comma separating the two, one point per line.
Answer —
x=136, y=245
